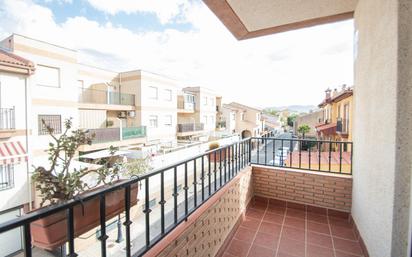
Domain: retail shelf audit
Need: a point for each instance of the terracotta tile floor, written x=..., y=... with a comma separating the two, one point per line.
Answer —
x=271, y=230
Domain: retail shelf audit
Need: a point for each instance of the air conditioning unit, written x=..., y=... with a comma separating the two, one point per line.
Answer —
x=122, y=114
x=131, y=114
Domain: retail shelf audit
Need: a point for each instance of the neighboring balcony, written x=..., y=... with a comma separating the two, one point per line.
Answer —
x=106, y=100
x=342, y=127
x=188, y=129
x=227, y=202
x=7, y=122
x=186, y=104
x=105, y=137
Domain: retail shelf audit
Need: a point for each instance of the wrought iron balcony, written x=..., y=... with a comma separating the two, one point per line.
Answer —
x=214, y=186
x=7, y=118
x=190, y=127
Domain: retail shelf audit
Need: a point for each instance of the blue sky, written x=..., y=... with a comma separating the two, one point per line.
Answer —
x=184, y=40
x=137, y=22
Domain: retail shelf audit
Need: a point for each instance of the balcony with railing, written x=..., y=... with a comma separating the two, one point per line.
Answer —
x=97, y=96
x=237, y=200
x=189, y=128
x=7, y=122
x=104, y=137
x=186, y=103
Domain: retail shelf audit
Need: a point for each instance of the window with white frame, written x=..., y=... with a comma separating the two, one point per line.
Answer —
x=167, y=95
x=153, y=93
x=168, y=120
x=6, y=176
x=204, y=100
x=47, y=76
x=153, y=121
x=242, y=116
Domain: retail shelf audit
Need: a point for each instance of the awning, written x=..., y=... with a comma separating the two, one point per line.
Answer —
x=12, y=152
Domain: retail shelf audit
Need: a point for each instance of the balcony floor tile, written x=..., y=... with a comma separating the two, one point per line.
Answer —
x=273, y=230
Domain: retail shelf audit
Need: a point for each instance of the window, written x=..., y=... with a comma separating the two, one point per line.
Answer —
x=346, y=118
x=6, y=176
x=153, y=94
x=168, y=120
x=242, y=116
x=80, y=84
x=153, y=121
x=48, y=76
x=204, y=100
x=189, y=98
x=53, y=121
x=167, y=95
x=233, y=116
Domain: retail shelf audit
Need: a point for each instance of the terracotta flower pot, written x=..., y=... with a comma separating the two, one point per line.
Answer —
x=50, y=232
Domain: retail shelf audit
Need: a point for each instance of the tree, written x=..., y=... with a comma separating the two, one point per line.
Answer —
x=303, y=129
x=291, y=119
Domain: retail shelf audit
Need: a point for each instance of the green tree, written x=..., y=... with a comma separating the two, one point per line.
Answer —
x=303, y=129
x=291, y=119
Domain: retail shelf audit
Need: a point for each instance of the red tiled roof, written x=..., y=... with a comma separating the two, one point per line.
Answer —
x=15, y=60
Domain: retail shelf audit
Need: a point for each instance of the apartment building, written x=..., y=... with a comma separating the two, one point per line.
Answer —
x=197, y=112
x=14, y=131
x=156, y=105
x=337, y=115
x=246, y=120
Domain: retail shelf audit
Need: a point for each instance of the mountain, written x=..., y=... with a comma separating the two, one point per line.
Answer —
x=293, y=108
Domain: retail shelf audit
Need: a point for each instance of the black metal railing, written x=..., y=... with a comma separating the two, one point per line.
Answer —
x=190, y=127
x=202, y=176
x=304, y=154
x=7, y=118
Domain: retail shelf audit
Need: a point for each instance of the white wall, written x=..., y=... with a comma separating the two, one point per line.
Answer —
x=381, y=132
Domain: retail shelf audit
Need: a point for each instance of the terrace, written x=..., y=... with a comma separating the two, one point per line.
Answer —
x=225, y=202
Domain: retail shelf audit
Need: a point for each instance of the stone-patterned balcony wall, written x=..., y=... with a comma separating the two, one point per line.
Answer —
x=330, y=191
x=206, y=230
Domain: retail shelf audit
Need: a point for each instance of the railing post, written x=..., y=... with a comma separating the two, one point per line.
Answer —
x=250, y=150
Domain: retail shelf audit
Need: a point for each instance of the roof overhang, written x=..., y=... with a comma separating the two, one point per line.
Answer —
x=251, y=18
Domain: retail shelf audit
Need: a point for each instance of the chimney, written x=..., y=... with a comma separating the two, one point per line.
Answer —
x=335, y=92
x=344, y=87
x=327, y=91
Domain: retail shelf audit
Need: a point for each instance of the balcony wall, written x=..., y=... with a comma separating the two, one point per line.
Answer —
x=211, y=229
x=205, y=231
x=306, y=187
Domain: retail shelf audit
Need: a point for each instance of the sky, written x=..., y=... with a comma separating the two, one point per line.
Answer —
x=184, y=40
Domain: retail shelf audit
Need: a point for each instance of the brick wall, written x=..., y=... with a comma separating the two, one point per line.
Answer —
x=330, y=191
x=206, y=230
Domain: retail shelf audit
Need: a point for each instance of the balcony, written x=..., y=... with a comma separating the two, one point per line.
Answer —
x=117, y=100
x=105, y=137
x=225, y=202
x=188, y=129
x=186, y=103
x=342, y=127
x=7, y=122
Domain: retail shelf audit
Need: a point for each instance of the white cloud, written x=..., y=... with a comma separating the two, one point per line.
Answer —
x=287, y=68
x=166, y=11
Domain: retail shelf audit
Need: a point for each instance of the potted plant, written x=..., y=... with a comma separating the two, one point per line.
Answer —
x=212, y=156
x=61, y=182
